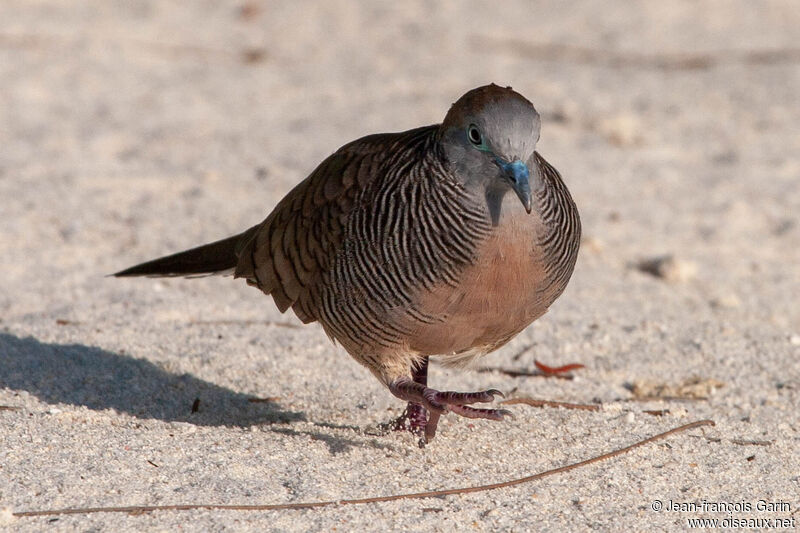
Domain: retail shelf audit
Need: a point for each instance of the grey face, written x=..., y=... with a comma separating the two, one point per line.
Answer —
x=489, y=137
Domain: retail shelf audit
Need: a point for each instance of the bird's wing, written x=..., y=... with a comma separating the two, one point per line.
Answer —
x=297, y=243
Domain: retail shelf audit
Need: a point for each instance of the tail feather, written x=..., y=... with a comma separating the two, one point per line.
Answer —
x=214, y=258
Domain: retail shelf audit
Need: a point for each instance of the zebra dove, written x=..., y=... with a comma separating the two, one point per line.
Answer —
x=410, y=245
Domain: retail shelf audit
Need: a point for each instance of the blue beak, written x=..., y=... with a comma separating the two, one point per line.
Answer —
x=518, y=173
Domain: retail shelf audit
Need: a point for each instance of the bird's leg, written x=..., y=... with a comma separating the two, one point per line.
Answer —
x=415, y=417
x=421, y=398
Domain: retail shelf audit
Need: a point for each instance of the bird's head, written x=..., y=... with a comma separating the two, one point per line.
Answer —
x=488, y=137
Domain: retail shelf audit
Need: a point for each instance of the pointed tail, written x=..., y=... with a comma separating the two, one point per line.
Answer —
x=218, y=257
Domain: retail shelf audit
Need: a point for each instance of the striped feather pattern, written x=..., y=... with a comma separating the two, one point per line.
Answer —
x=562, y=226
x=376, y=222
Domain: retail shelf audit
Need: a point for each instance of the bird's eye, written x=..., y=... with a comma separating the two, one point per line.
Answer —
x=474, y=135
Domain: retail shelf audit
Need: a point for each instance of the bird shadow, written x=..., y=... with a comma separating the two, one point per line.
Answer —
x=98, y=379
x=336, y=444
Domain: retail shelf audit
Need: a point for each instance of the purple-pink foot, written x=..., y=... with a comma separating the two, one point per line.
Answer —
x=426, y=405
x=414, y=419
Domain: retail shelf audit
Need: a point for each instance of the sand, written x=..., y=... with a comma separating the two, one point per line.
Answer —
x=129, y=130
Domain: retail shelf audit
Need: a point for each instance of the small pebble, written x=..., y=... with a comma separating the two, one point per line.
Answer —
x=668, y=268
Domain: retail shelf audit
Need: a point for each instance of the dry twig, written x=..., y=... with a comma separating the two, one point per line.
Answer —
x=138, y=509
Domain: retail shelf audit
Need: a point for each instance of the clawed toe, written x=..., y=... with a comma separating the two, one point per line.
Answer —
x=439, y=401
x=462, y=398
x=466, y=398
x=414, y=420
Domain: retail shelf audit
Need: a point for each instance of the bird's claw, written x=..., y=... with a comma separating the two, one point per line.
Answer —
x=426, y=405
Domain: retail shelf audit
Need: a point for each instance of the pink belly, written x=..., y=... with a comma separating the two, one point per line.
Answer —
x=497, y=298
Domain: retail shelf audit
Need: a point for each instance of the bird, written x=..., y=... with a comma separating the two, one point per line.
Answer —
x=444, y=241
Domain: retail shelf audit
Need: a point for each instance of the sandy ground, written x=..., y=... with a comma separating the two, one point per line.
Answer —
x=134, y=129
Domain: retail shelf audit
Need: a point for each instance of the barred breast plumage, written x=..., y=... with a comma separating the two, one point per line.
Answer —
x=408, y=245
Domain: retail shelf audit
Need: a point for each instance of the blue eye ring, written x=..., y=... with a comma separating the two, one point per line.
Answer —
x=475, y=137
